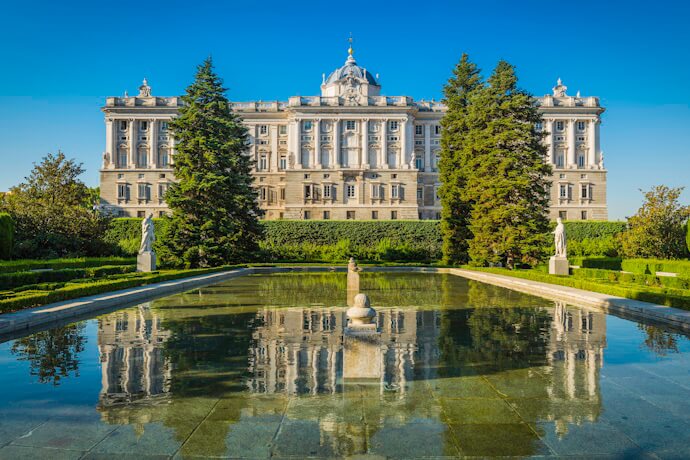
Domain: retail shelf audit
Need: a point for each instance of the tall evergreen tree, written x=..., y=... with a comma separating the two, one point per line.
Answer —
x=214, y=205
x=506, y=175
x=455, y=125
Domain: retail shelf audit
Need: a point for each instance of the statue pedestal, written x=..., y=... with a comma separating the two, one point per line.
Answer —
x=559, y=266
x=362, y=353
x=146, y=261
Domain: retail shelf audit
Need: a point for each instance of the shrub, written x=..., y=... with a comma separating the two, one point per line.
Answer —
x=592, y=230
x=606, y=263
x=6, y=235
x=56, y=264
x=652, y=266
x=16, y=279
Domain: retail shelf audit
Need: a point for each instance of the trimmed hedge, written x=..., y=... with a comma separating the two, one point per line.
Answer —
x=679, y=298
x=605, y=263
x=6, y=235
x=34, y=298
x=56, y=264
x=579, y=230
x=17, y=279
x=632, y=278
x=652, y=266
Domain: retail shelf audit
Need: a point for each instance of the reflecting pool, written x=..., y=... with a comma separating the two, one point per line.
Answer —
x=255, y=368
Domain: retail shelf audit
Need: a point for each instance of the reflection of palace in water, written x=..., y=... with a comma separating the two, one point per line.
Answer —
x=300, y=350
x=131, y=345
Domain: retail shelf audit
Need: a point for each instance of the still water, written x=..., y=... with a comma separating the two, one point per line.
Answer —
x=254, y=367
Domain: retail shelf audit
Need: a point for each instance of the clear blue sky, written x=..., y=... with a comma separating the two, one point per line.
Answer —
x=61, y=59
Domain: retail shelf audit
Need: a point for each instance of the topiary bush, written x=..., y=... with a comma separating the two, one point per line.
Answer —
x=6, y=235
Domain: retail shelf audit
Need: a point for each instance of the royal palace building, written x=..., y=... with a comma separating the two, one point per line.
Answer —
x=350, y=153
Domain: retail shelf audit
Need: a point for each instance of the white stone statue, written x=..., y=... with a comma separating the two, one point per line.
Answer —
x=147, y=235
x=560, y=239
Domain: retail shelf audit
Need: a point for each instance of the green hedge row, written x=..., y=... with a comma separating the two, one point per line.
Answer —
x=604, y=263
x=679, y=298
x=632, y=278
x=289, y=239
x=23, y=265
x=34, y=298
x=652, y=266
x=17, y=279
x=6, y=235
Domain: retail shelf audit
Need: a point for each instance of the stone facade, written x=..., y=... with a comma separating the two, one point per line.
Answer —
x=349, y=153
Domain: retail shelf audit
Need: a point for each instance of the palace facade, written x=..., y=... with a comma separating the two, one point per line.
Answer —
x=350, y=153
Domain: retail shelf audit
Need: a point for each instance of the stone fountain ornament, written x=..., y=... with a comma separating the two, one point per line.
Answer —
x=146, y=259
x=361, y=313
x=558, y=263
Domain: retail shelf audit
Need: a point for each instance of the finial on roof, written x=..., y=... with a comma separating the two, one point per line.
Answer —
x=145, y=89
x=126, y=95
x=323, y=78
x=578, y=93
x=560, y=89
x=350, y=51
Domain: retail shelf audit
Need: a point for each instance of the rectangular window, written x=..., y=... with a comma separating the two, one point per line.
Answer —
x=559, y=160
x=326, y=215
x=563, y=191
x=144, y=192
x=164, y=126
x=394, y=215
x=437, y=130
x=263, y=163
x=263, y=130
x=419, y=130
x=263, y=193
x=162, y=189
x=560, y=126
x=307, y=215
x=375, y=190
x=583, y=215
x=141, y=213
x=282, y=194
x=393, y=125
x=161, y=213
x=350, y=191
x=563, y=215
x=580, y=125
x=584, y=191
x=349, y=125
x=419, y=162
x=539, y=126
x=282, y=130
x=144, y=125
x=123, y=192
x=307, y=191
x=307, y=125
x=326, y=191
x=394, y=191
x=123, y=125
x=420, y=193
x=282, y=164
x=374, y=215
x=581, y=161
x=350, y=215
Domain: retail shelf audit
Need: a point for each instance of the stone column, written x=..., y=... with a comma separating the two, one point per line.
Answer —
x=153, y=130
x=317, y=143
x=294, y=141
x=273, y=131
x=427, y=146
x=572, y=152
x=133, y=139
x=336, y=144
x=549, y=139
x=591, y=159
x=402, y=155
x=384, y=143
x=364, y=160
x=111, y=141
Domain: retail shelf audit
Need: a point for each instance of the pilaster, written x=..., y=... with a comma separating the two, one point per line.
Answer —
x=572, y=152
x=133, y=140
x=153, y=128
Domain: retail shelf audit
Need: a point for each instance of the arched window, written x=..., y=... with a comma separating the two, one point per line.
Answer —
x=122, y=156
x=163, y=157
x=142, y=156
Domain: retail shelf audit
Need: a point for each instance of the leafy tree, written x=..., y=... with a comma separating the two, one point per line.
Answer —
x=657, y=230
x=214, y=205
x=54, y=213
x=455, y=125
x=506, y=174
x=6, y=235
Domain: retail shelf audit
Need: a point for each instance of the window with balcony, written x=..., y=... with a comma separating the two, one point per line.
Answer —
x=327, y=188
x=580, y=160
x=585, y=191
x=122, y=158
x=144, y=192
x=163, y=157
x=419, y=162
x=142, y=157
x=351, y=190
x=263, y=163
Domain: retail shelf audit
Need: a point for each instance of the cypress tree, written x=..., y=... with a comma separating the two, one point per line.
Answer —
x=214, y=205
x=455, y=125
x=506, y=175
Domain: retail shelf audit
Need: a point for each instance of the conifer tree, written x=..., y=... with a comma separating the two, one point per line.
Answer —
x=214, y=205
x=455, y=125
x=506, y=175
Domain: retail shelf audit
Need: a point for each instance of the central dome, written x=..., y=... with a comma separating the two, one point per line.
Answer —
x=351, y=69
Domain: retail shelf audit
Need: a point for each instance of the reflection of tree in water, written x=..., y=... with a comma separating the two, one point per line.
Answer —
x=499, y=330
x=658, y=340
x=52, y=354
